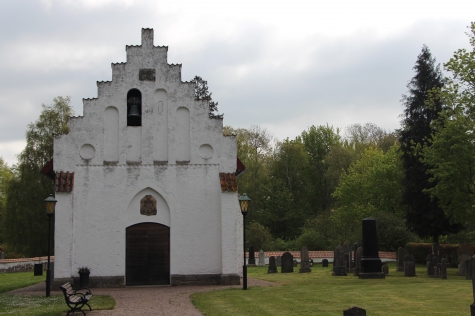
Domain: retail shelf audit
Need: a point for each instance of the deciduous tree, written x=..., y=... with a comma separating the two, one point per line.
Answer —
x=26, y=220
x=451, y=154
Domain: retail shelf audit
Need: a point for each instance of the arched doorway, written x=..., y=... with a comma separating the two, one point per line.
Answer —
x=147, y=254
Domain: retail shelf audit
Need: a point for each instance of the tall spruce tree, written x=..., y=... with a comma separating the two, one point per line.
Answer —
x=423, y=214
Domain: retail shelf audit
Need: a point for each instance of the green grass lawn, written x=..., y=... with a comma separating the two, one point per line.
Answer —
x=320, y=293
x=34, y=305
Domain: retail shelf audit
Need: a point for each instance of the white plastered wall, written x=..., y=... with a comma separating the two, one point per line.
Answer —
x=178, y=166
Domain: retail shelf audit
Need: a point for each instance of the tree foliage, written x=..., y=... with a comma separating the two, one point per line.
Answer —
x=423, y=214
x=452, y=151
x=202, y=93
x=319, y=143
x=371, y=186
x=25, y=219
x=5, y=176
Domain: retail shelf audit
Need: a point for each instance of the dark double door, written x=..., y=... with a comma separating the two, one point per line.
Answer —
x=147, y=254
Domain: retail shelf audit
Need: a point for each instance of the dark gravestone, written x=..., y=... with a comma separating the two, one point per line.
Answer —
x=443, y=268
x=325, y=263
x=463, y=264
x=287, y=263
x=304, y=261
x=472, y=307
x=354, y=311
x=385, y=268
x=252, y=258
x=339, y=268
x=311, y=262
x=466, y=251
x=401, y=253
x=358, y=255
x=272, y=266
x=468, y=269
x=409, y=266
x=370, y=262
x=278, y=261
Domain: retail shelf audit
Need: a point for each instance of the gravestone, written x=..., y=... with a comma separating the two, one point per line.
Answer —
x=463, y=263
x=295, y=262
x=401, y=253
x=370, y=262
x=347, y=252
x=443, y=269
x=472, y=307
x=468, y=269
x=325, y=263
x=436, y=249
x=385, y=268
x=339, y=268
x=354, y=311
x=304, y=261
x=278, y=261
x=2, y=255
x=272, y=266
x=429, y=269
x=409, y=266
x=252, y=258
x=311, y=262
x=358, y=255
x=262, y=260
x=355, y=248
x=465, y=249
x=287, y=263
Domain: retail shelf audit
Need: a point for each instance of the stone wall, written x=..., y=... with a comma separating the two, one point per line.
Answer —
x=23, y=264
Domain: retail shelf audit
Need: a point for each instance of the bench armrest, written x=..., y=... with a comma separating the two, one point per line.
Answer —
x=84, y=291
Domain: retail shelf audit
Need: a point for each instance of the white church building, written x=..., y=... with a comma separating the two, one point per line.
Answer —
x=146, y=182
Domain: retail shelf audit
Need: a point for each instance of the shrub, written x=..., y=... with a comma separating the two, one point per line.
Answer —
x=392, y=232
x=259, y=236
x=311, y=239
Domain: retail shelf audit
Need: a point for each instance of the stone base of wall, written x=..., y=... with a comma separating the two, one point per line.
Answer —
x=176, y=279
x=205, y=279
x=94, y=282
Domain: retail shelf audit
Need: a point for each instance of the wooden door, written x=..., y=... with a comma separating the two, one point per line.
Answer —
x=147, y=254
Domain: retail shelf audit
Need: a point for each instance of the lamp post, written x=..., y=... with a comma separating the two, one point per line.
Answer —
x=244, y=202
x=50, y=203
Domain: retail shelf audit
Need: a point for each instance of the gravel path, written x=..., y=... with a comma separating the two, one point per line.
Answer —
x=147, y=300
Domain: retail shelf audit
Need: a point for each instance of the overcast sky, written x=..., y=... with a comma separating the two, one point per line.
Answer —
x=283, y=65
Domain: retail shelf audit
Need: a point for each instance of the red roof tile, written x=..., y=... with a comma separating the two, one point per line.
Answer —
x=64, y=182
x=228, y=182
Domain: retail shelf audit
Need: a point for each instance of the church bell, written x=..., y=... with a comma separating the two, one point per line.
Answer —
x=134, y=108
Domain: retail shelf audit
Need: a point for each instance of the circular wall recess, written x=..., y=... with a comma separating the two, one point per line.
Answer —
x=206, y=151
x=87, y=151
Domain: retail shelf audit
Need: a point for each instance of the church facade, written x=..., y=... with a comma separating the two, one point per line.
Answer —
x=146, y=182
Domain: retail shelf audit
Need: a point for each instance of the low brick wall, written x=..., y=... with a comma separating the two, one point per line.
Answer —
x=23, y=264
x=320, y=255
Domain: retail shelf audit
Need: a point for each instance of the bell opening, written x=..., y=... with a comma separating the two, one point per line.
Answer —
x=134, y=108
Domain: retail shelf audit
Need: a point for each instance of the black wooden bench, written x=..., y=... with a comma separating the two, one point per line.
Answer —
x=76, y=299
